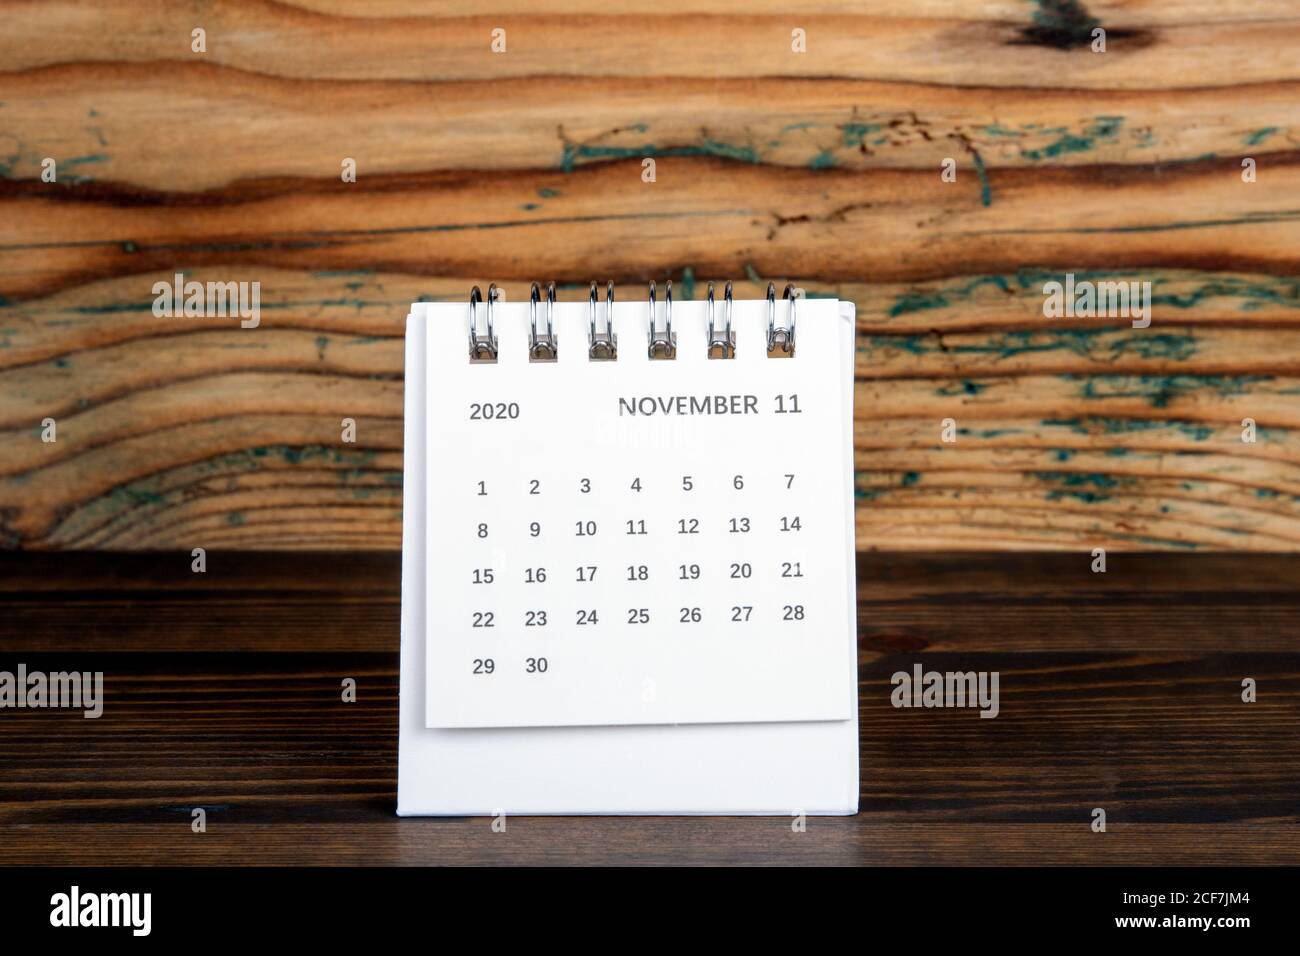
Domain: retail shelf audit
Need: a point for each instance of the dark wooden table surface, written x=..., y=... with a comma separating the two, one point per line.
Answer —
x=1119, y=690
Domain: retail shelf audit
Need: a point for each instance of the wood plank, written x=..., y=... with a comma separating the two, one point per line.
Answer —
x=267, y=738
x=503, y=167
x=187, y=432
x=264, y=744
x=1118, y=690
x=631, y=841
x=1035, y=46
x=1127, y=12
x=807, y=223
x=909, y=602
x=90, y=118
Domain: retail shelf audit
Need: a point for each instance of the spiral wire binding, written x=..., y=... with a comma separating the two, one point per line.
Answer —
x=482, y=345
x=542, y=346
x=780, y=342
x=721, y=346
x=663, y=345
x=602, y=346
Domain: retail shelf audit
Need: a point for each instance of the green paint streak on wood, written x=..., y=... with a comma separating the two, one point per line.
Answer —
x=918, y=300
x=129, y=497
x=915, y=301
x=1103, y=345
x=987, y=432
x=997, y=129
x=986, y=191
x=823, y=160
x=576, y=153
x=853, y=134
x=1252, y=293
x=688, y=283
x=964, y=387
x=1160, y=390
x=300, y=454
x=1080, y=484
x=1125, y=426
x=912, y=344
x=1281, y=292
x=1036, y=142
x=1258, y=136
x=1103, y=129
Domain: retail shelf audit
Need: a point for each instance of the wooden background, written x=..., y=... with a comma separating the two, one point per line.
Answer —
x=222, y=690
x=820, y=167
x=1120, y=690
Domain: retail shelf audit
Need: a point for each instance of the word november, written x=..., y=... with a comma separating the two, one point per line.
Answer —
x=689, y=405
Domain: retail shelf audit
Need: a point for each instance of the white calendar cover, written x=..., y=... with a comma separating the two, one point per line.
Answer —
x=628, y=586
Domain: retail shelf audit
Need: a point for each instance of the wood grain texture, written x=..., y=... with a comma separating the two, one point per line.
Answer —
x=821, y=167
x=1118, y=690
x=908, y=602
x=254, y=35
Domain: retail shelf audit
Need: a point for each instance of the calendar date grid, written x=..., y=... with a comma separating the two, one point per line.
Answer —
x=707, y=570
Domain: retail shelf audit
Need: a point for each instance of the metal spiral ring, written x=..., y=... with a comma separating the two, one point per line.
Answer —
x=603, y=346
x=482, y=348
x=662, y=345
x=723, y=347
x=794, y=295
x=542, y=346
x=780, y=342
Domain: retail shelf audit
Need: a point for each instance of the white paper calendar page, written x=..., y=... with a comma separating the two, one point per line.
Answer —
x=635, y=541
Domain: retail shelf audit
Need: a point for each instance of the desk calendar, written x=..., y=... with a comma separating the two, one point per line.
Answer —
x=628, y=580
